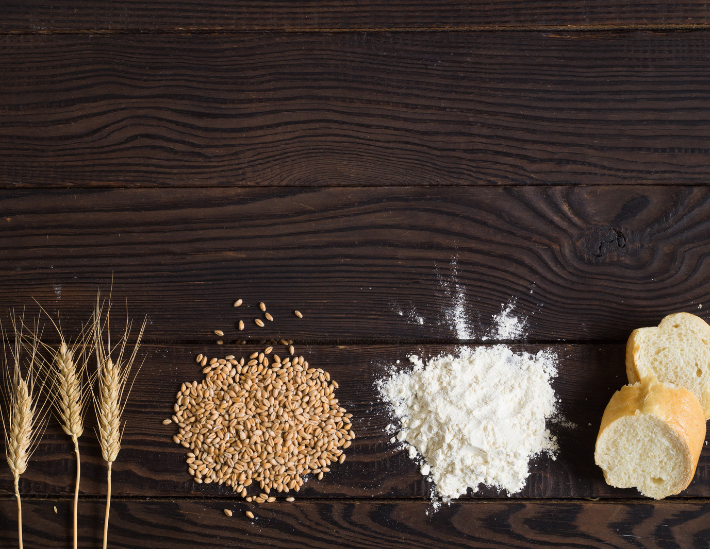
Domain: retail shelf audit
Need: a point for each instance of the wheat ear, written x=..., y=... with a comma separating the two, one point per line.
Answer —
x=23, y=421
x=68, y=393
x=112, y=379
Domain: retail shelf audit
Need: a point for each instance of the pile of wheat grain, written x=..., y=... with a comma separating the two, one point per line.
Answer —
x=261, y=421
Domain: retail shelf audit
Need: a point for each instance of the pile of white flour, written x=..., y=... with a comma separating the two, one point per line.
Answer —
x=476, y=418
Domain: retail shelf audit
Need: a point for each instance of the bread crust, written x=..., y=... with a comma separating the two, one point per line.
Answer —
x=633, y=345
x=639, y=336
x=675, y=406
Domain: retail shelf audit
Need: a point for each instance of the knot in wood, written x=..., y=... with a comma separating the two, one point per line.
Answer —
x=603, y=244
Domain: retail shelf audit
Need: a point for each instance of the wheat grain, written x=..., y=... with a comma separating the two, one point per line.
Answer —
x=251, y=422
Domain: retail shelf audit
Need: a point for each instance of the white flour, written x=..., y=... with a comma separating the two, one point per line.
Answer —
x=476, y=418
x=505, y=325
x=456, y=314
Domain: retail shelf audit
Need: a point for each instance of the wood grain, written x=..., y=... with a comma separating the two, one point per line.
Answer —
x=151, y=464
x=220, y=15
x=364, y=264
x=349, y=109
x=178, y=524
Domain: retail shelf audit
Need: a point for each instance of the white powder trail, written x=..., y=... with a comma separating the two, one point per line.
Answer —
x=456, y=315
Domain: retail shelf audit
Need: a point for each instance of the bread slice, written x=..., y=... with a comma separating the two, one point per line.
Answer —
x=677, y=351
x=650, y=438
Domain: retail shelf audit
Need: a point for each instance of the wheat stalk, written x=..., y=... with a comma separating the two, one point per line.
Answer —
x=23, y=421
x=112, y=378
x=68, y=395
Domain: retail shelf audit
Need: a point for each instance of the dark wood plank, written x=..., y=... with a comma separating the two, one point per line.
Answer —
x=356, y=524
x=220, y=15
x=151, y=464
x=349, y=109
x=373, y=265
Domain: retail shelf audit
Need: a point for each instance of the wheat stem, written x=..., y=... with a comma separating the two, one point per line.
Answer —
x=108, y=504
x=76, y=489
x=19, y=510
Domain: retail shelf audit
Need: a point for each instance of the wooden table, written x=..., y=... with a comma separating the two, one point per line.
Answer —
x=341, y=158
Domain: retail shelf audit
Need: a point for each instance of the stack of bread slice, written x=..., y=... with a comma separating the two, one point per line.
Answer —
x=653, y=429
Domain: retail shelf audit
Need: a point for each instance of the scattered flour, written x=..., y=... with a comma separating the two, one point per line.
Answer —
x=477, y=418
x=506, y=326
x=565, y=424
x=412, y=316
x=456, y=314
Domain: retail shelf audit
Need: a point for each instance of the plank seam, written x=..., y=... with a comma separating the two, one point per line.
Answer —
x=467, y=501
x=373, y=342
x=307, y=30
x=82, y=187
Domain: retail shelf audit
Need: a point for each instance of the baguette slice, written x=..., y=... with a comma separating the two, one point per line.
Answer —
x=677, y=351
x=650, y=438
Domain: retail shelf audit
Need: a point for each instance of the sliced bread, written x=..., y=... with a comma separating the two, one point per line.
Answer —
x=650, y=438
x=676, y=351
